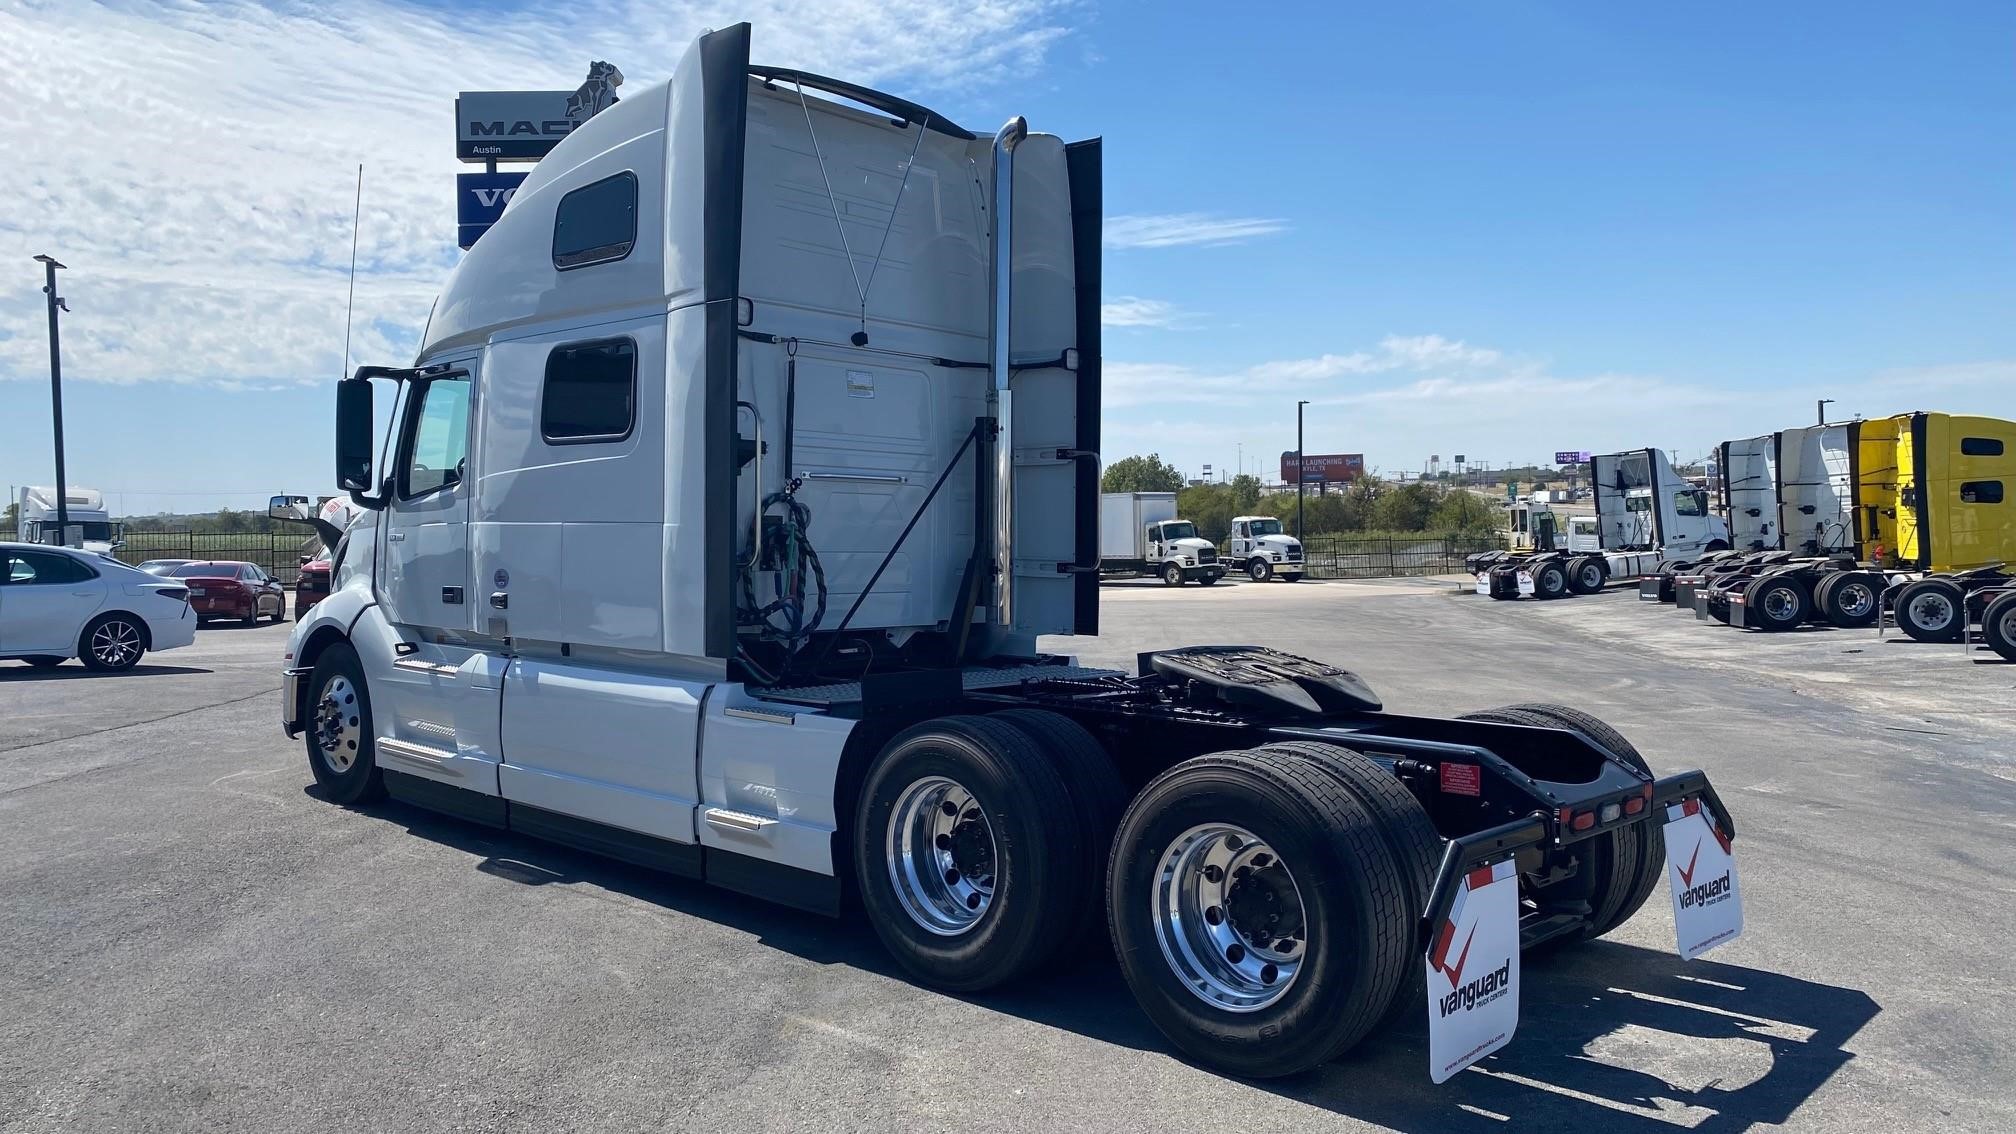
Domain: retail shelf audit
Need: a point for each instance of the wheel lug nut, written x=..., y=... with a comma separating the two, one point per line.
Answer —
x=1214, y=915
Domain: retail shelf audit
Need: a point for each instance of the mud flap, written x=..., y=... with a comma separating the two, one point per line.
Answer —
x=1484, y=583
x=1701, y=865
x=1473, y=972
x=1525, y=584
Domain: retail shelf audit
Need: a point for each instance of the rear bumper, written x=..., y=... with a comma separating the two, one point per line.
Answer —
x=1493, y=845
x=290, y=700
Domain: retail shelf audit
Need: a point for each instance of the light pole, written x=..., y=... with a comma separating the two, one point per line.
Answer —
x=1301, y=472
x=1824, y=403
x=49, y=266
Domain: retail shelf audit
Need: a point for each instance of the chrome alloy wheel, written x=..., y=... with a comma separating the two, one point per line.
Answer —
x=1229, y=917
x=337, y=728
x=941, y=856
x=1933, y=611
x=1854, y=598
x=116, y=643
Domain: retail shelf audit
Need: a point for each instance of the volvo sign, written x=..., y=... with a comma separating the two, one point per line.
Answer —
x=479, y=200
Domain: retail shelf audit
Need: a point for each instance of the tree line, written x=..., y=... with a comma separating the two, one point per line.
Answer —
x=1368, y=504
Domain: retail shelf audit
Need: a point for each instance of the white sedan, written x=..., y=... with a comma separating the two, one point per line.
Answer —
x=58, y=603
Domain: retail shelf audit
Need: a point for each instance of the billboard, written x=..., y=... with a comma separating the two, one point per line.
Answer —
x=1572, y=457
x=1328, y=468
x=479, y=200
x=511, y=125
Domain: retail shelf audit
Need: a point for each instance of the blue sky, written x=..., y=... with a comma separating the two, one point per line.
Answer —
x=1497, y=229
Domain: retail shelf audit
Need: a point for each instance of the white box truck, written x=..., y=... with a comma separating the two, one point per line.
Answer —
x=1139, y=534
x=689, y=550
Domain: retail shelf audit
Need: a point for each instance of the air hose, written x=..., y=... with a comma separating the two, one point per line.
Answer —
x=786, y=552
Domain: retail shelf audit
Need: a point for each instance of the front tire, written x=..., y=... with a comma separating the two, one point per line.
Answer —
x=969, y=853
x=1172, y=575
x=342, y=745
x=1259, y=570
x=1259, y=916
x=111, y=643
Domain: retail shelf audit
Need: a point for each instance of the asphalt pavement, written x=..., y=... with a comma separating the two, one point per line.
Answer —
x=191, y=940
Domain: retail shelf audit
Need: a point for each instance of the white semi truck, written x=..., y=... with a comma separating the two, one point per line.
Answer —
x=1647, y=516
x=1264, y=551
x=91, y=527
x=689, y=550
x=1139, y=534
x=1749, y=468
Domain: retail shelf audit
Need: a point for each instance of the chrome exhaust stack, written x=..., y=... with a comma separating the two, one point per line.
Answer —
x=999, y=400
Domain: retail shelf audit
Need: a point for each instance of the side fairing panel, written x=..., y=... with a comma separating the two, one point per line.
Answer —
x=774, y=762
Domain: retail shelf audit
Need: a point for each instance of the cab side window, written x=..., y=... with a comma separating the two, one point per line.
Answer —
x=590, y=392
x=439, y=438
x=1688, y=504
x=1981, y=492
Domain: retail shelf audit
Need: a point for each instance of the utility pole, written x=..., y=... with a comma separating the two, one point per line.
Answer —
x=49, y=266
x=1824, y=403
x=1301, y=472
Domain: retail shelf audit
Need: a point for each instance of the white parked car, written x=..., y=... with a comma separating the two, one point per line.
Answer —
x=57, y=603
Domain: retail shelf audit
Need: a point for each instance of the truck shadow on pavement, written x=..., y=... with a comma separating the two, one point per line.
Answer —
x=1612, y=1037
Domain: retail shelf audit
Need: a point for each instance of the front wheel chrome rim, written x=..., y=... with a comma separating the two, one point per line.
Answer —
x=115, y=643
x=942, y=859
x=1229, y=917
x=1855, y=599
x=338, y=725
x=1932, y=612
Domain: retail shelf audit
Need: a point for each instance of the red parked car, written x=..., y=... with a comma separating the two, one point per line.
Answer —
x=226, y=589
x=311, y=585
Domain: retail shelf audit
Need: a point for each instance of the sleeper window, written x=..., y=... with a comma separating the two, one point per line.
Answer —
x=1981, y=492
x=590, y=392
x=1980, y=447
x=596, y=223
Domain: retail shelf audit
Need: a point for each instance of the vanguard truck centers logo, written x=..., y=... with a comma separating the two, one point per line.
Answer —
x=1473, y=972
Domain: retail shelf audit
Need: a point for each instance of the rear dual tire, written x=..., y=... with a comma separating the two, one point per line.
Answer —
x=1620, y=868
x=1550, y=581
x=1998, y=625
x=1849, y=600
x=1932, y=610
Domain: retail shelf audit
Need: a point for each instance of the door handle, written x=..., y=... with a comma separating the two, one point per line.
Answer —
x=500, y=600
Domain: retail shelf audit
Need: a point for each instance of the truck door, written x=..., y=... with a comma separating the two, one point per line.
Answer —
x=436, y=699
x=424, y=577
x=1240, y=543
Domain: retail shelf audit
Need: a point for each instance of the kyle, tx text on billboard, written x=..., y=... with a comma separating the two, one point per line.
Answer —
x=1326, y=468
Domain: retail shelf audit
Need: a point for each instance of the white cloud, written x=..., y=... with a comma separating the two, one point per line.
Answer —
x=193, y=164
x=1170, y=230
x=1133, y=311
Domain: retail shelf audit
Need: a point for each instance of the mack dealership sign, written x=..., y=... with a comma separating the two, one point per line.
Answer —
x=479, y=200
x=1328, y=468
x=510, y=125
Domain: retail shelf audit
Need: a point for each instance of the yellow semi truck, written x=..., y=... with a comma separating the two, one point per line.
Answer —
x=1951, y=510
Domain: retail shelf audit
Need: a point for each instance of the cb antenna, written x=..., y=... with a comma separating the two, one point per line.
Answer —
x=350, y=307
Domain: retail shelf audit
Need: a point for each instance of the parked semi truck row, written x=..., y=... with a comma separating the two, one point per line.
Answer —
x=1908, y=514
x=90, y=527
x=1647, y=515
x=687, y=549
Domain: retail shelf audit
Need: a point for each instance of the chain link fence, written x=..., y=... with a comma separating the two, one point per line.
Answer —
x=278, y=553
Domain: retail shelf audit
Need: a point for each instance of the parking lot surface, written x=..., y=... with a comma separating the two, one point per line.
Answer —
x=193, y=941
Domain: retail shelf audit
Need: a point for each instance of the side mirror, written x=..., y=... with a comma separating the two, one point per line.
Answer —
x=353, y=438
x=286, y=507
